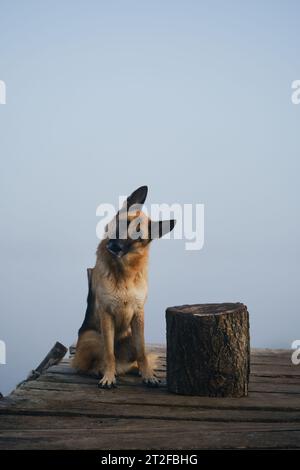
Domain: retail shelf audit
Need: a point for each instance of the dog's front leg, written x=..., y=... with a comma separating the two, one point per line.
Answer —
x=137, y=328
x=108, y=336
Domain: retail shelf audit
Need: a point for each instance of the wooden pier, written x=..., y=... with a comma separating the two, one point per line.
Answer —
x=62, y=410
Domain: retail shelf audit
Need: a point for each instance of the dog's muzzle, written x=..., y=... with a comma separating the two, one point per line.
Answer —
x=115, y=248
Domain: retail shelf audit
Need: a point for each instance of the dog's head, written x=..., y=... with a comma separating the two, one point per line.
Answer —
x=131, y=230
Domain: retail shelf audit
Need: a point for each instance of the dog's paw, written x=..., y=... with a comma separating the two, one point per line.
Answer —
x=108, y=381
x=151, y=381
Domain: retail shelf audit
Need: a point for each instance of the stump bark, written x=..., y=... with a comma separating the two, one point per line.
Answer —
x=208, y=350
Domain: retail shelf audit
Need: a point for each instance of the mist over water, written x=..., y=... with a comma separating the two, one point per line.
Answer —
x=192, y=99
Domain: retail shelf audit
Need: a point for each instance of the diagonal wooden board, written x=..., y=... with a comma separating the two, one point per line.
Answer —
x=63, y=410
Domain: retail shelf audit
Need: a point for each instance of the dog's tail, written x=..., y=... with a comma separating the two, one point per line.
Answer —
x=132, y=367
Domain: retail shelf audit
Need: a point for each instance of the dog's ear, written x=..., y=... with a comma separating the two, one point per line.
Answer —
x=137, y=197
x=160, y=228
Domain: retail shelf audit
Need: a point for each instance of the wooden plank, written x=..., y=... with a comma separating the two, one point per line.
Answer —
x=145, y=412
x=279, y=375
x=262, y=385
x=84, y=380
x=258, y=367
x=263, y=370
x=263, y=394
x=273, y=361
x=30, y=423
x=33, y=399
x=275, y=370
x=271, y=387
x=157, y=434
x=259, y=384
x=66, y=364
x=275, y=380
x=161, y=349
x=279, y=360
x=270, y=352
x=56, y=410
x=256, y=354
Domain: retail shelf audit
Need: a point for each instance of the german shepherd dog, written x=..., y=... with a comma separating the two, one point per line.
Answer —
x=111, y=338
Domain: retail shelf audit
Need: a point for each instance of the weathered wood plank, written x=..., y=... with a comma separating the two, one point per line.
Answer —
x=258, y=356
x=84, y=380
x=141, y=411
x=49, y=423
x=67, y=370
x=270, y=352
x=157, y=434
x=257, y=383
x=259, y=364
x=33, y=399
x=271, y=387
x=41, y=413
x=263, y=370
x=275, y=380
x=254, y=386
x=256, y=353
x=275, y=370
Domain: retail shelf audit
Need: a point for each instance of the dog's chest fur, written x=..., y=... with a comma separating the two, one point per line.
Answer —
x=121, y=300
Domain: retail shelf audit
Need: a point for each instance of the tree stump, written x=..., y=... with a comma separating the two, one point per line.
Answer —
x=208, y=350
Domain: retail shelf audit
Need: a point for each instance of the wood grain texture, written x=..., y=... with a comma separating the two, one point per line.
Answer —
x=89, y=433
x=63, y=410
x=208, y=350
x=53, y=357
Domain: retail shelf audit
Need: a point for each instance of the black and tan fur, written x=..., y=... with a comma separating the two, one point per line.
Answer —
x=111, y=338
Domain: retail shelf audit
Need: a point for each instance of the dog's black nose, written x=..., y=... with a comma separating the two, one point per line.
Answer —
x=114, y=246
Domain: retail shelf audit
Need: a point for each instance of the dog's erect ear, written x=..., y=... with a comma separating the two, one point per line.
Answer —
x=160, y=228
x=137, y=197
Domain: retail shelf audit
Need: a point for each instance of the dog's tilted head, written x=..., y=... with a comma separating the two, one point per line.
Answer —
x=131, y=230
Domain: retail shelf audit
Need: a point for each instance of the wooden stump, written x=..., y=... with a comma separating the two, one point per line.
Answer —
x=208, y=350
